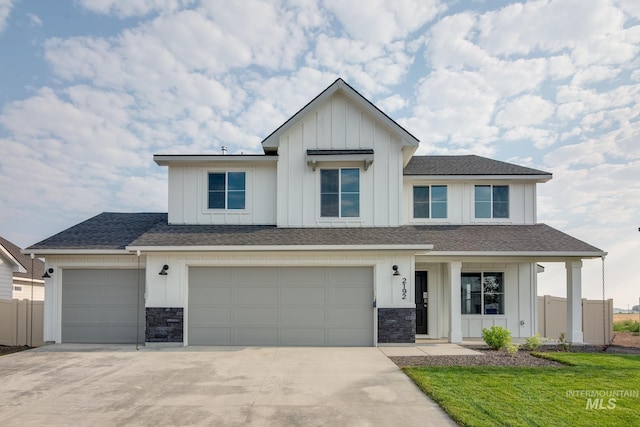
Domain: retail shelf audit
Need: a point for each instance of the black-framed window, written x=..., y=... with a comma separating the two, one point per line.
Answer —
x=482, y=293
x=430, y=201
x=227, y=190
x=492, y=201
x=340, y=192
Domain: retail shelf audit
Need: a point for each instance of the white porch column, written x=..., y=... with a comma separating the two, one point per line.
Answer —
x=574, y=302
x=455, y=314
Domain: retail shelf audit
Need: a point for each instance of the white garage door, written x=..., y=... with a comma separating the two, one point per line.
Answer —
x=280, y=306
x=99, y=306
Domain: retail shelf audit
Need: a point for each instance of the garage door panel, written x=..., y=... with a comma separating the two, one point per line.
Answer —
x=77, y=295
x=101, y=306
x=316, y=306
x=201, y=335
x=268, y=276
x=121, y=295
x=302, y=336
x=303, y=315
x=81, y=277
x=350, y=276
x=349, y=295
x=253, y=295
x=204, y=276
x=84, y=314
x=255, y=336
x=210, y=296
x=303, y=296
x=302, y=276
x=201, y=316
x=348, y=316
x=255, y=315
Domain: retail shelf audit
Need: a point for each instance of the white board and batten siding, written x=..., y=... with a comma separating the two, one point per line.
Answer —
x=339, y=124
x=461, y=202
x=6, y=279
x=188, y=194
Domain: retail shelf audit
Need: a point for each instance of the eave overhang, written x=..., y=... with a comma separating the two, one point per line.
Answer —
x=185, y=159
x=281, y=248
x=18, y=268
x=535, y=178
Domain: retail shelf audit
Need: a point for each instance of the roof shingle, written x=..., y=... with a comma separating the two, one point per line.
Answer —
x=465, y=165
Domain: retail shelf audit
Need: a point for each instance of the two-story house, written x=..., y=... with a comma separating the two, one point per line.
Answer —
x=338, y=235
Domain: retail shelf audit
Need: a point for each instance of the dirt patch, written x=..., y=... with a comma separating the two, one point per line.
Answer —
x=626, y=339
x=8, y=349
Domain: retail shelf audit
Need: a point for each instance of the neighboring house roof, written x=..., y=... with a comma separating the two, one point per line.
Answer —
x=106, y=231
x=465, y=165
x=23, y=261
x=271, y=142
x=151, y=231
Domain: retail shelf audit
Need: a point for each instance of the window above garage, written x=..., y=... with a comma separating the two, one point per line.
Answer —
x=364, y=155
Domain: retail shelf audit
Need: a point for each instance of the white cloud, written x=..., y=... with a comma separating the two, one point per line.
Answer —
x=129, y=8
x=35, y=19
x=5, y=10
x=550, y=25
x=381, y=21
x=524, y=111
x=391, y=103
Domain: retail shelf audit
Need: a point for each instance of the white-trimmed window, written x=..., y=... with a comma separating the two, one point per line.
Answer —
x=340, y=193
x=226, y=190
x=430, y=201
x=492, y=201
x=482, y=293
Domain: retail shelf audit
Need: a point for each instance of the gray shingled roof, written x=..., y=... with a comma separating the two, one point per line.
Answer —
x=445, y=238
x=25, y=260
x=465, y=165
x=118, y=230
x=107, y=230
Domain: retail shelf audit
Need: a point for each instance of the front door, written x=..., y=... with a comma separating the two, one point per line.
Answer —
x=422, y=301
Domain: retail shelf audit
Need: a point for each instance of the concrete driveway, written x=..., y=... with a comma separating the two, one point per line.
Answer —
x=84, y=385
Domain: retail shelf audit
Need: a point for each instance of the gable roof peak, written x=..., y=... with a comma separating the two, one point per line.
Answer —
x=270, y=143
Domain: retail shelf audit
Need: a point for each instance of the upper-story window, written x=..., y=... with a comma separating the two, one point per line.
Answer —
x=340, y=192
x=430, y=201
x=492, y=201
x=482, y=293
x=227, y=190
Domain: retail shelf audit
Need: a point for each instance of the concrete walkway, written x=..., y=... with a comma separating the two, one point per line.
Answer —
x=85, y=385
x=430, y=350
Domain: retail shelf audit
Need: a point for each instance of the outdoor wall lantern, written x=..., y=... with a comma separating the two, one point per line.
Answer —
x=396, y=271
x=47, y=273
x=163, y=272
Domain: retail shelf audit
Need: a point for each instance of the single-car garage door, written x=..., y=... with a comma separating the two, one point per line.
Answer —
x=100, y=306
x=280, y=306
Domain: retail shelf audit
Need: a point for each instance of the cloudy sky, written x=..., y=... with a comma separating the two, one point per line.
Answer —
x=91, y=89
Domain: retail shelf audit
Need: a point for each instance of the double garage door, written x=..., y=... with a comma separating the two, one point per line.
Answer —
x=100, y=306
x=310, y=306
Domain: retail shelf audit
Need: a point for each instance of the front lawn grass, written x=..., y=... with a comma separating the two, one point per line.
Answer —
x=540, y=396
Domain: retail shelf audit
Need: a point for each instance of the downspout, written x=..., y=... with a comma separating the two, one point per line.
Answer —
x=138, y=303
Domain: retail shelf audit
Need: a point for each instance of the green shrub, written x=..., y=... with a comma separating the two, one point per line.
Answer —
x=497, y=337
x=512, y=349
x=534, y=342
x=626, y=326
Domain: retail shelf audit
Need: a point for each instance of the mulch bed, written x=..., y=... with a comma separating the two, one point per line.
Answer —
x=522, y=358
x=8, y=349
